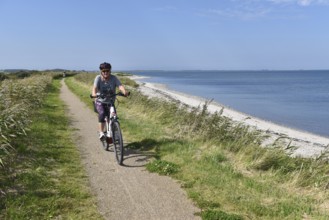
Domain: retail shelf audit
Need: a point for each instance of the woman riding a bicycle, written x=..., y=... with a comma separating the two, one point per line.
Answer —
x=105, y=84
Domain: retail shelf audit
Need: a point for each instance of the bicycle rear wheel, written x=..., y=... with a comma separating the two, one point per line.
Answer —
x=117, y=142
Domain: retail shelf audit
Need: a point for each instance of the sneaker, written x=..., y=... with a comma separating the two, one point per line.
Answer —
x=101, y=136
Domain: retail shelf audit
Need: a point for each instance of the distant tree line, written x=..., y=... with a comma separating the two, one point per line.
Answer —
x=21, y=74
x=17, y=75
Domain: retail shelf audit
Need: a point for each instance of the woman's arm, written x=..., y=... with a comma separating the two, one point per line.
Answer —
x=123, y=90
x=94, y=91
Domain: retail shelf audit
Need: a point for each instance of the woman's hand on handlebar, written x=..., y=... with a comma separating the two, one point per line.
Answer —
x=127, y=93
x=97, y=95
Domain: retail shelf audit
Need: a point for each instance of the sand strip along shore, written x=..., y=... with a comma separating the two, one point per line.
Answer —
x=299, y=143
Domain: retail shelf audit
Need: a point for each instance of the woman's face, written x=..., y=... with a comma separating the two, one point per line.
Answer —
x=106, y=73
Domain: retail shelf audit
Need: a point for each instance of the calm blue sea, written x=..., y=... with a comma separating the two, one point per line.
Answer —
x=297, y=99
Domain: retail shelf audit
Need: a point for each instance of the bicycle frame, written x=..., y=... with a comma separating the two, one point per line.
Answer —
x=109, y=119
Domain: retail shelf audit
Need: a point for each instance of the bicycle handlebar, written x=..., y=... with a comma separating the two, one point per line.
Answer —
x=109, y=96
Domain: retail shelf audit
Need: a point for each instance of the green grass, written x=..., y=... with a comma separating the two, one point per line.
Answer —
x=44, y=178
x=18, y=97
x=220, y=163
x=162, y=167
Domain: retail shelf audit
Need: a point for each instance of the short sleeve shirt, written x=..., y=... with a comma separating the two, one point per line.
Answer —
x=106, y=87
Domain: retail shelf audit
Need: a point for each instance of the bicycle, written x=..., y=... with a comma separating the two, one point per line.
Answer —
x=113, y=134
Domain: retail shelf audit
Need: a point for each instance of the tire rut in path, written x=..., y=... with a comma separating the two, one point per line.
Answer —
x=123, y=192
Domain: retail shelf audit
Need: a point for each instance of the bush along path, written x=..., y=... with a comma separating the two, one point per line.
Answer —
x=41, y=176
x=128, y=191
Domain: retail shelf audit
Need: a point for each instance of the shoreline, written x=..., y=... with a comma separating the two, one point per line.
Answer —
x=300, y=143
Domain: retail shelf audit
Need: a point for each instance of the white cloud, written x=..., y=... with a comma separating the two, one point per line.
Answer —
x=241, y=13
x=242, y=10
x=301, y=2
x=268, y=9
x=304, y=2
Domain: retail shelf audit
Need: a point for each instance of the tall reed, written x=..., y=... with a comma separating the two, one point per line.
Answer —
x=18, y=98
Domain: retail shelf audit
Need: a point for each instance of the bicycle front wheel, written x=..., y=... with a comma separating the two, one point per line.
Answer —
x=117, y=142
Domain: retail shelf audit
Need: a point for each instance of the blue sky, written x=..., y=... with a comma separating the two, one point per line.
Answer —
x=165, y=34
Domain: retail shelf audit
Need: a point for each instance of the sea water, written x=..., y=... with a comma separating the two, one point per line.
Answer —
x=296, y=99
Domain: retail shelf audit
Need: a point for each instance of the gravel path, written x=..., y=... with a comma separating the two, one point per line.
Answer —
x=129, y=191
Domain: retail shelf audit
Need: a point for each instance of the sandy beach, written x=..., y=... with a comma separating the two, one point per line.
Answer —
x=296, y=142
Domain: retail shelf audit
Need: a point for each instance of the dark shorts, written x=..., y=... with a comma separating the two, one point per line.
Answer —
x=102, y=111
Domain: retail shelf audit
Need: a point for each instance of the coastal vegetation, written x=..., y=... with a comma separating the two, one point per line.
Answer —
x=41, y=176
x=219, y=163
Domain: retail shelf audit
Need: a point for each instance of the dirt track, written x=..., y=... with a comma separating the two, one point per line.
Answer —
x=123, y=192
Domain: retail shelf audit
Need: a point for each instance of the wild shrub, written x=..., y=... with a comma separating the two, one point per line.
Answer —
x=18, y=98
x=196, y=122
x=3, y=76
x=87, y=78
x=22, y=74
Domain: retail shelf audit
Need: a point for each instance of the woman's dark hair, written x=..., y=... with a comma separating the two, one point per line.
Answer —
x=105, y=66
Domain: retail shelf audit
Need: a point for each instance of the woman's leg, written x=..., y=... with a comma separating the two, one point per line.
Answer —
x=101, y=117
